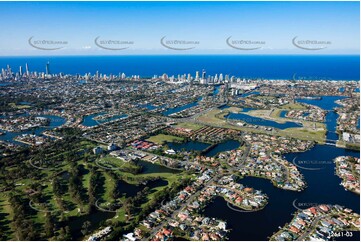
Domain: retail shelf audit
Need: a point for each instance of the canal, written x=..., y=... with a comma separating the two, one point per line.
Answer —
x=89, y=120
x=323, y=187
x=55, y=121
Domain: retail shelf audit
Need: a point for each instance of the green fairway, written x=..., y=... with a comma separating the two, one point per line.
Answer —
x=163, y=138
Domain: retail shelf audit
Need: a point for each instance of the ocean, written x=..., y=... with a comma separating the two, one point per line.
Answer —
x=311, y=67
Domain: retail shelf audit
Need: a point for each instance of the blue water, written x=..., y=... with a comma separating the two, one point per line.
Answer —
x=327, y=103
x=221, y=147
x=200, y=146
x=283, y=113
x=180, y=108
x=262, y=122
x=188, y=146
x=335, y=67
x=216, y=90
x=4, y=84
x=250, y=93
x=90, y=122
x=323, y=187
x=55, y=121
x=149, y=107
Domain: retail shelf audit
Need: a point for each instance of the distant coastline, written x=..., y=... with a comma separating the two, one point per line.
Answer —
x=307, y=67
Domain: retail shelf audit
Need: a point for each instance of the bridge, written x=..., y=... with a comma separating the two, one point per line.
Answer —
x=331, y=142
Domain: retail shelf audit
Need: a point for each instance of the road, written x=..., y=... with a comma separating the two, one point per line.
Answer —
x=184, y=205
x=196, y=194
x=310, y=228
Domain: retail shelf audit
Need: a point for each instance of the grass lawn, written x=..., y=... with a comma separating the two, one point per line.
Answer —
x=114, y=163
x=304, y=134
x=162, y=138
x=191, y=126
x=214, y=117
x=109, y=185
x=234, y=109
x=5, y=216
x=13, y=105
x=210, y=117
x=291, y=106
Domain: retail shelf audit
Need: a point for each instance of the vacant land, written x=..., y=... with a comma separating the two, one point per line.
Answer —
x=309, y=131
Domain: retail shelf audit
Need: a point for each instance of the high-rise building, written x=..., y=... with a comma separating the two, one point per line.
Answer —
x=27, y=69
x=215, y=78
x=48, y=68
x=197, y=75
x=21, y=71
x=204, y=74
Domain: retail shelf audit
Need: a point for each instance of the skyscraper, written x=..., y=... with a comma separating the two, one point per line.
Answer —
x=27, y=69
x=204, y=74
x=197, y=75
x=48, y=68
x=21, y=71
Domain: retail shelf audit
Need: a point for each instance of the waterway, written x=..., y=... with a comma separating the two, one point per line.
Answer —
x=188, y=146
x=216, y=90
x=179, y=109
x=200, y=146
x=55, y=121
x=323, y=187
x=327, y=103
x=89, y=120
x=283, y=113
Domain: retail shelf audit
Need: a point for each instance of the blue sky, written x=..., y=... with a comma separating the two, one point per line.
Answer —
x=206, y=25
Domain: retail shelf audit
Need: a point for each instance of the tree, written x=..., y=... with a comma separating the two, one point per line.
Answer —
x=49, y=225
x=85, y=227
x=57, y=189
